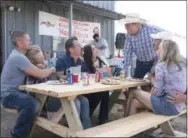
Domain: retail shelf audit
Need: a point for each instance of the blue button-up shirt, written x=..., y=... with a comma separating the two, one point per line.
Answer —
x=141, y=44
x=65, y=62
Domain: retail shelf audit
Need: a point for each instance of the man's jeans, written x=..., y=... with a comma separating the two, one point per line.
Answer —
x=28, y=107
x=82, y=105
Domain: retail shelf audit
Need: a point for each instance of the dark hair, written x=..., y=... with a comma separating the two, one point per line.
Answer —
x=69, y=43
x=95, y=35
x=88, y=54
x=16, y=35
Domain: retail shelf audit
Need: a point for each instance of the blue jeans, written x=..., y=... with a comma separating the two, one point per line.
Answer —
x=82, y=105
x=28, y=107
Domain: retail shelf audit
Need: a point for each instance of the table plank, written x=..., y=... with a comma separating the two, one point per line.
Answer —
x=61, y=91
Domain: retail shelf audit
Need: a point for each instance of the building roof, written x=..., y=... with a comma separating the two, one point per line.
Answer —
x=79, y=5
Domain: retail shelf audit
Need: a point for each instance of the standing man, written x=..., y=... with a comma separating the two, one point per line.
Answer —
x=15, y=70
x=102, y=46
x=139, y=41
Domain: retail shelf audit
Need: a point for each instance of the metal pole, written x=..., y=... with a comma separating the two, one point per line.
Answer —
x=70, y=19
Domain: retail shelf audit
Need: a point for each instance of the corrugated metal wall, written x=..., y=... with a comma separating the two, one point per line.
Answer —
x=109, y=4
x=27, y=20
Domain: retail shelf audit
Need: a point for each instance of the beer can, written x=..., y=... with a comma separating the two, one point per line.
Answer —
x=97, y=77
x=70, y=78
x=105, y=75
x=85, y=79
x=122, y=75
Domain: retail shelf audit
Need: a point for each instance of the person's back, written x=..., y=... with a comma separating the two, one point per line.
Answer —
x=174, y=80
x=12, y=75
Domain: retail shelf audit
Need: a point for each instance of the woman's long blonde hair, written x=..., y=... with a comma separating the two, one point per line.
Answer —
x=32, y=51
x=171, y=54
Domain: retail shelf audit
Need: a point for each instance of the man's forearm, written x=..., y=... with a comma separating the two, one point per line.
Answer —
x=60, y=75
x=46, y=73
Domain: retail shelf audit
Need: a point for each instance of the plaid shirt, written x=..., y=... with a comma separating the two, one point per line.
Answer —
x=141, y=44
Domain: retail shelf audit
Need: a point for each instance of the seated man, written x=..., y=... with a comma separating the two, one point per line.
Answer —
x=15, y=70
x=63, y=64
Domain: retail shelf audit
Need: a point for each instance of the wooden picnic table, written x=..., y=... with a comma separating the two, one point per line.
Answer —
x=67, y=94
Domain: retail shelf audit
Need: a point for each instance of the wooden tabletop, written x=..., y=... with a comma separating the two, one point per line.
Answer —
x=61, y=91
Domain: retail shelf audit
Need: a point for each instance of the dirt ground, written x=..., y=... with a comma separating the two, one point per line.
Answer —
x=8, y=120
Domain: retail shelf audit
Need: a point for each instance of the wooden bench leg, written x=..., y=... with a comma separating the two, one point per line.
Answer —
x=127, y=104
x=71, y=114
x=167, y=129
x=42, y=99
x=113, y=98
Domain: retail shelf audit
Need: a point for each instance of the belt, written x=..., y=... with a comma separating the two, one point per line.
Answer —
x=151, y=61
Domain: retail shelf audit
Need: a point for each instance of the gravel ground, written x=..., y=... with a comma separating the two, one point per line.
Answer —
x=8, y=119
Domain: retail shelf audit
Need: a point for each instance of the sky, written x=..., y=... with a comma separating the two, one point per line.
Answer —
x=169, y=15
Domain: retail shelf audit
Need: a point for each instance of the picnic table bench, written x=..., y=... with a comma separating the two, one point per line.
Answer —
x=131, y=125
x=66, y=93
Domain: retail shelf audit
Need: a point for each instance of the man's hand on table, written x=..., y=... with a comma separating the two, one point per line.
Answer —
x=61, y=76
x=53, y=70
x=178, y=98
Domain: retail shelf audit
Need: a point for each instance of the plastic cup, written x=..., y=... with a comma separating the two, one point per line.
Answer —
x=75, y=78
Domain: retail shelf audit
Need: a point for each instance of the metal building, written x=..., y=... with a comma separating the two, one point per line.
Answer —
x=24, y=17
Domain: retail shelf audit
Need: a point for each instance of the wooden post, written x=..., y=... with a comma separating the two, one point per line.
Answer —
x=71, y=114
x=167, y=129
x=113, y=98
x=42, y=99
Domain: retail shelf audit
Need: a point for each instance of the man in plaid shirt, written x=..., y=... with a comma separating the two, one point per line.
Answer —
x=140, y=43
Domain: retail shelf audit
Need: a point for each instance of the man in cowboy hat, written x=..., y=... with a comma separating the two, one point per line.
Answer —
x=139, y=42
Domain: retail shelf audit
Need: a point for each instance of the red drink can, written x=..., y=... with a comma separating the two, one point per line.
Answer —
x=97, y=76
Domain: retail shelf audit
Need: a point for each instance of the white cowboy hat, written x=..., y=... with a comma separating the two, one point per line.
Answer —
x=133, y=18
x=162, y=35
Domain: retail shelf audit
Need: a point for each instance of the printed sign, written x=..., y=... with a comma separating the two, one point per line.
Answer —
x=57, y=26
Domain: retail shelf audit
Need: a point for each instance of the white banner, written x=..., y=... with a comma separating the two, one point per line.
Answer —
x=53, y=25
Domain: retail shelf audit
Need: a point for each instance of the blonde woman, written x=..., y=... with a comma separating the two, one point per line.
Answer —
x=170, y=78
x=36, y=56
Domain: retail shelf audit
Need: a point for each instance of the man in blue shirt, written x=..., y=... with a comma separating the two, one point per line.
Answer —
x=63, y=64
x=71, y=58
x=139, y=41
